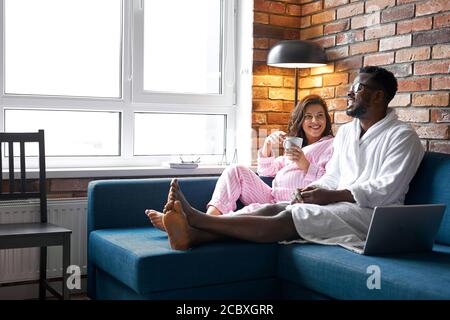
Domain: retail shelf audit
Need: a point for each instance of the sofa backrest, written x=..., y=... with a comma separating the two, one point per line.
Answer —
x=431, y=184
x=121, y=203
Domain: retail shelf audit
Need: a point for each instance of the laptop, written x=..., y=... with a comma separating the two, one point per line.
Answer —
x=401, y=229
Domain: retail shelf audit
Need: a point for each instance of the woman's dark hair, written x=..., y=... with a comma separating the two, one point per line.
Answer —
x=385, y=79
x=298, y=116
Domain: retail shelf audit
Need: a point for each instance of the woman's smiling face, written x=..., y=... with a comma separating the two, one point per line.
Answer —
x=314, y=122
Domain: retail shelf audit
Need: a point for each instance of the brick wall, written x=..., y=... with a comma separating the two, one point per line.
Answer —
x=410, y=38
x=56, y=188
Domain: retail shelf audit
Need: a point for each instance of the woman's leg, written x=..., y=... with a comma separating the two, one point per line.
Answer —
x=238, y=182
x=175, y=193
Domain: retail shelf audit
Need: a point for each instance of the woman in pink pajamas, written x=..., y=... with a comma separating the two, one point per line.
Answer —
x=297, y=168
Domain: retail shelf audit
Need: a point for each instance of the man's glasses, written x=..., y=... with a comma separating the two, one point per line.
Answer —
x=357, y=87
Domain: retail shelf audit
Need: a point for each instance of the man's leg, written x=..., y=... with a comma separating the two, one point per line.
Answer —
x=189, y=228
x=181, y=235
x=246, y=227
x=262, y=228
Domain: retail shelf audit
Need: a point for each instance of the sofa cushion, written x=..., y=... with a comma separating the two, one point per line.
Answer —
x=431, y=184
x=342, y=274
x=142, y=259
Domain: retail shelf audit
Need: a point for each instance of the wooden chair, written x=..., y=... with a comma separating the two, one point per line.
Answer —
x=41, y=234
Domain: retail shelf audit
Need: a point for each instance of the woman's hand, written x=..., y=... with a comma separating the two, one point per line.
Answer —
x=274, y=137
x=296, y=155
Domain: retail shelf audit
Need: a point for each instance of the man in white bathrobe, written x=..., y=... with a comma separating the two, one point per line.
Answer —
x=375, y=157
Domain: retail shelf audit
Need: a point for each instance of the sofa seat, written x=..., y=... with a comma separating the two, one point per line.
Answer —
x=341, y=274
x=142, y=259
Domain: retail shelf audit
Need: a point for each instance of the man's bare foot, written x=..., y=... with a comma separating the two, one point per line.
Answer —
x=156, y=219
x=177, y=195
x=170, y=196
x=177, y=227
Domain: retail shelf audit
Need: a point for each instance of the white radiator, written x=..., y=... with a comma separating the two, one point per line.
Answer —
x=23, y=264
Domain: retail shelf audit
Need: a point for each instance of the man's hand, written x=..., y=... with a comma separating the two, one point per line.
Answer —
x=297, y=195
x=323, y=197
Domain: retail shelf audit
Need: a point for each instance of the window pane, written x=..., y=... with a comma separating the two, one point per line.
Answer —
x=172, y=134
x=182, y=45
x=69, y=133
x=63, y=47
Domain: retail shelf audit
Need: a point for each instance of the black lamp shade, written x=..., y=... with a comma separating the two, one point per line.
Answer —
x=296, y=54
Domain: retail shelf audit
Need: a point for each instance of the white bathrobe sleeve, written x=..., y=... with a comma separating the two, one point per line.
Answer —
x=400, y=163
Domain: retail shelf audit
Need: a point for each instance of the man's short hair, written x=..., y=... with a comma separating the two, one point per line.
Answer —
x=384, y=78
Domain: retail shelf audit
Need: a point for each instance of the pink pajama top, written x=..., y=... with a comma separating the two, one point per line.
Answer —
x=288, y=177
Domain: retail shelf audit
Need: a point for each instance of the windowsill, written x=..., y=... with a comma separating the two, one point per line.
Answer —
x=119, y=172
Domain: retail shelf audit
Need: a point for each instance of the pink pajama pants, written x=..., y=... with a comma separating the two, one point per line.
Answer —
x=239, y=182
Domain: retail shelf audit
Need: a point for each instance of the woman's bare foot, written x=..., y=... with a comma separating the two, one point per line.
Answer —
x=156, y=216
x=177, y=227
x=213, y=211
x=156, y=219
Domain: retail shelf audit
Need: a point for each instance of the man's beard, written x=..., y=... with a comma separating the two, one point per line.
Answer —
x=356, y=112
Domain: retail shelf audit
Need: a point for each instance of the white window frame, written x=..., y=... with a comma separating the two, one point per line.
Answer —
x=131, y=100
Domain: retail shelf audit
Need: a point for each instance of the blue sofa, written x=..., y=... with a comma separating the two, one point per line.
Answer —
x=129, y=259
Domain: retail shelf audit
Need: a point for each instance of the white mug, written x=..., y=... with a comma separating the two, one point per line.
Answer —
x=290, y=141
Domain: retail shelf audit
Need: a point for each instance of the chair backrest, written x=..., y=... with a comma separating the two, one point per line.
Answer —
x=23, y=138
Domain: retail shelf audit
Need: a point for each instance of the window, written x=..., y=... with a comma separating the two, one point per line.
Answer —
x=183, y=134
x=104, y=78
x=181, y=54
x=63, y=134
x=184, y=55
x=63, y=47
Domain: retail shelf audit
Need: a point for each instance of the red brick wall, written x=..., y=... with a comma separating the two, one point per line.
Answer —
x=56, y=188
x=410, y=38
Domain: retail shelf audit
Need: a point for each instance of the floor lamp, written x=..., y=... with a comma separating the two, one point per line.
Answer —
x=296, y=54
